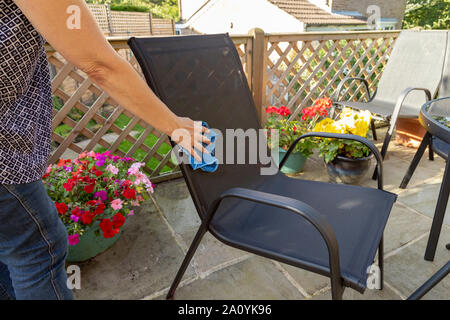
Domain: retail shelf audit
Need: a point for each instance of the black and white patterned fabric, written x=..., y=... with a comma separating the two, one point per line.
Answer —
x=25, y=98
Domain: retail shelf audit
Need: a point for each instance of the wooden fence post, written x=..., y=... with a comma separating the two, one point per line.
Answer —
x=150, y=17
x=109, y=18
x=173, y=27
x=259, y=72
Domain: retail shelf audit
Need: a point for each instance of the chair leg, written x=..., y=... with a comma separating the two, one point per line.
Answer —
x=374, y=130
x=187, y=259
x=439, y=214
x=431, y=283
x=337, y=291
x=430, y=149
x=415, y=162
x=386, y=142
x=381, y=262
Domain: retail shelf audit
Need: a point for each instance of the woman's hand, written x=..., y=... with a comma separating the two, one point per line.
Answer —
x=189, y=135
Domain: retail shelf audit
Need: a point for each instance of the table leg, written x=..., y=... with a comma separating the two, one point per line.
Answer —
x=439, y=214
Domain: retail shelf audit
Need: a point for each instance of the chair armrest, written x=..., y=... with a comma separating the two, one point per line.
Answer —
x=401, y=100
x=344, y=81
x=360, y=139
x=294, y=206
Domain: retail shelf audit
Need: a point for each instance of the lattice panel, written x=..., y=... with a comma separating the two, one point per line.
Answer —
x=300, y=71
x=126, y=23
x=86, y=118
x=99, y=11
x=131, y=23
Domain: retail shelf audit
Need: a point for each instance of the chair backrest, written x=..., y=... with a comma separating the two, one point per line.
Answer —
x=201, y=77
x=444, y=89
x=416, y=61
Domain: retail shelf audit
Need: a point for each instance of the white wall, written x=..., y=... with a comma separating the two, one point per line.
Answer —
x=240, y=16
x=189, y=7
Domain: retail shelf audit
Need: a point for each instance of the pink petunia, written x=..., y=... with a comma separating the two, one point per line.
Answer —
x=112, y=169
x=116, y=204
x=74, y=239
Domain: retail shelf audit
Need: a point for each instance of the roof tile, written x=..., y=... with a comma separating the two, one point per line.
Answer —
x=309, y=13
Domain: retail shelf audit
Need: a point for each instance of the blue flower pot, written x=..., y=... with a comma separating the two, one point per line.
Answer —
x=294, y=164
x=90, y=245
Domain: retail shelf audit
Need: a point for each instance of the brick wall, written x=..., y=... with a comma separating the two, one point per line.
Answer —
x=389, y=8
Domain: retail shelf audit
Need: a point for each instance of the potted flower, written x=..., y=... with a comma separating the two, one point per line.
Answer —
x=94, y=195
x=347, y=161
x=290, y=130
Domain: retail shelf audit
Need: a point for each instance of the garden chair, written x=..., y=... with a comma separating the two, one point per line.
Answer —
x=410, y=78
x=437, y=142
x=330, y=229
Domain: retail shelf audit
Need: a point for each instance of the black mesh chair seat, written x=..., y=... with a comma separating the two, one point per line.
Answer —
x=381, y=108
x=356, y=214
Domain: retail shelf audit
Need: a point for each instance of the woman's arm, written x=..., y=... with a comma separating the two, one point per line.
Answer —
x=88, y=49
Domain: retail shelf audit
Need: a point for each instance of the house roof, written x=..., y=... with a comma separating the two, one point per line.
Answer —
x=309, y=13
x=237, y=17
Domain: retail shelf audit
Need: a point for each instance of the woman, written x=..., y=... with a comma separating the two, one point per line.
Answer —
x=33, y=241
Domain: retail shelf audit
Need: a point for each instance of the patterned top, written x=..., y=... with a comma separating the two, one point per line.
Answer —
x=25, y=99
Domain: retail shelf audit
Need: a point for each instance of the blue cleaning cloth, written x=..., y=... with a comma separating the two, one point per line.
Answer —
x=209, y=163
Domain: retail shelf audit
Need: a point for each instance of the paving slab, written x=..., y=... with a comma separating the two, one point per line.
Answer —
x=424, y=198
x=350, y=294
x=403, y=227
x=407, y=270
x=177, y=206
x=144, y=260
x=253, y=279
x=309, y=281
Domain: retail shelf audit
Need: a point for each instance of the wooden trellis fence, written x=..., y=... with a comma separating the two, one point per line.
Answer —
x=290, y=69
x=125, y=23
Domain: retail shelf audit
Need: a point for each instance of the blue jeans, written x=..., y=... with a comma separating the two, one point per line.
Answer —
x=33, y=245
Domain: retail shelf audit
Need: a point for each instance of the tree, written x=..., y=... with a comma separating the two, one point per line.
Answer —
x=428, y=14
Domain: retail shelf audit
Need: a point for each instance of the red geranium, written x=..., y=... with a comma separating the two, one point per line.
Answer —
x=98, y=173
x=283, y=111
x=87, y=217
x=89, y=188
x=129, y=193
x=61, y=207
x=118, y=220
x=100, y=208
x=69, y=185
x=271, y=109
x=107, y=227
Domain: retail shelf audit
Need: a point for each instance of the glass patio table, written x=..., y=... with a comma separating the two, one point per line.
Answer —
x=435, y=118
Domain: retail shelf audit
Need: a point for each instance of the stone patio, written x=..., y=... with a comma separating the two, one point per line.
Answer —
x=142, y=264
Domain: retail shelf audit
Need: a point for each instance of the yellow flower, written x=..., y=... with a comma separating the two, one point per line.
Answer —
x=321, y=126
x=354, y=122
x=360, y=128
x=346, y=112
x=329, y=125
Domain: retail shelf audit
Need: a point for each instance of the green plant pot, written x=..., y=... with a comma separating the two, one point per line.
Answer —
x=294, y=164
x=90, y=245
